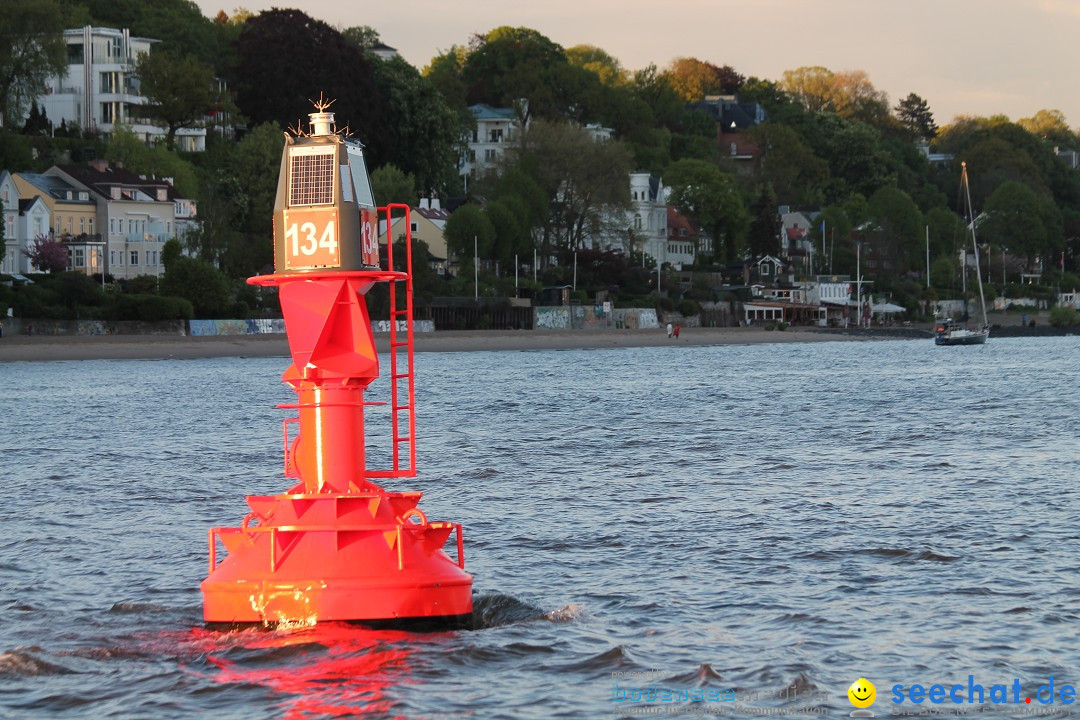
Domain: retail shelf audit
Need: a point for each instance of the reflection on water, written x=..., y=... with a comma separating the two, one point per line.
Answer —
x=747, y=518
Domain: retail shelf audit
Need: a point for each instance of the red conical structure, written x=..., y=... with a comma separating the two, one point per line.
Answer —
x=337, y=546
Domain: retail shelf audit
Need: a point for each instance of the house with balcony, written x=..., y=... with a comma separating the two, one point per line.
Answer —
x=135, y=215
x=495, y=127
x=100, y=90
x=73, y=218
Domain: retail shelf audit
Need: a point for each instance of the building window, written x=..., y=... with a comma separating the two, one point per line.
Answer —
x=110, y=82
x=496, y=135
x=489, y=155
x=413, y=227
x=80, y=257
x=134, y=257
x=90, y=223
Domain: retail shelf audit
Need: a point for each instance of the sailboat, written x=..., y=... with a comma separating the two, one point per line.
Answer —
x=949, y=332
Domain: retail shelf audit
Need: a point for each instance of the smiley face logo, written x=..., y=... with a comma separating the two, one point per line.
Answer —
x=862, y=693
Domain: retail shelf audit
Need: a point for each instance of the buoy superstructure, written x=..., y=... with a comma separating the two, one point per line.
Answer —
x=337, y=546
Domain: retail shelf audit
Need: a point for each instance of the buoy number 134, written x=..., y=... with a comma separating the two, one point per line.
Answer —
x=305, y=239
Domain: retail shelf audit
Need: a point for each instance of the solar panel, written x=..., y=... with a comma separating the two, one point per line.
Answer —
x=311, y=179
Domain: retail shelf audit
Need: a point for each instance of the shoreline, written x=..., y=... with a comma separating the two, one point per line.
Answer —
x=40, y=348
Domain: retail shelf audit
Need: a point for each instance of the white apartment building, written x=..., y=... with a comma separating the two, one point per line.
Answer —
x=495, y=127
x=648, y=218
x=101, y=90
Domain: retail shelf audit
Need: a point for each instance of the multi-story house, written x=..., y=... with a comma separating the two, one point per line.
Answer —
x=24, y=220
x=683, y=239
x=100, y=89
x=74, y=218
x=426, y=222
x=495, y=127
x=135, y=215
x=648, y=221
x=733, y=119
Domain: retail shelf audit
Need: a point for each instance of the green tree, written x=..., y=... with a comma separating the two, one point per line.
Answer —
x=362, y=36
x=914, y=115
x=763, y=237
x=509, y=238
x=158, y=161
x=469, y=228
x=31, y=51
x=606, y=68
x=445, y=73
x=786, y=163
x=901, y=229
x=180, y=92
x=509, y=64
x=76, y=288
x=390, y=184
x=709, y=197
x=1016, y=218
x=198, y=281
x=1050, y=125
x=585, y=181
x=423, y=139
x=37, y=123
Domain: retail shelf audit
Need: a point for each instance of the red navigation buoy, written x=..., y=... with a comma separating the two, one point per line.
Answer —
x=337, y=546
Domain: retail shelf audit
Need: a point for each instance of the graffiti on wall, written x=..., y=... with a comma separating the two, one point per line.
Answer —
x=260, y=326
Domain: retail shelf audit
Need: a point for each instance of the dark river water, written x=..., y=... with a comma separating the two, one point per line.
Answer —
x=740, y=530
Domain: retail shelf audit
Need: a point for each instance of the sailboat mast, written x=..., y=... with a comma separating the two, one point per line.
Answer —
x=974, y=244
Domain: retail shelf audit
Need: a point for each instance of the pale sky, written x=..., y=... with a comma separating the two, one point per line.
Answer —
x=970, y=57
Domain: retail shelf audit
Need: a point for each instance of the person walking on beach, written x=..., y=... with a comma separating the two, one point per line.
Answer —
x=675, y=332
x=669, y=330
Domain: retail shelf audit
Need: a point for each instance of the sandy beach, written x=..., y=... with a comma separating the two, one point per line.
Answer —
x=153, y=347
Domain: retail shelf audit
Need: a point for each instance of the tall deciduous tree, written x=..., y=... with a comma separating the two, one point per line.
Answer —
x=509, y=64
x=763, y=238
x=285, y=59
x=180, y=92
x=423, y=139
x=914, y=115
x=606, y=68
x=901, y=229
x=389, y=184
x=711, y=199
x=31, y=50
x=1021, y=220
x=469, y=229
x=693, y=79
x=1050, y=125
x=585, y=181
x=783, y=160
x=850, y=94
